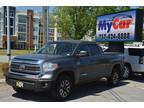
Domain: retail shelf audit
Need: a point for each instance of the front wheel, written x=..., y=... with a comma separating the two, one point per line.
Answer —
x=61, y=89
x=18, y=90
x=114, y=79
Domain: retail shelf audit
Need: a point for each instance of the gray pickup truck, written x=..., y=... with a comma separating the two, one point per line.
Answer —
x=60, y=65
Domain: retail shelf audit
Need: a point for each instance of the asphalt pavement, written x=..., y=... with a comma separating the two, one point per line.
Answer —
x=128, y=91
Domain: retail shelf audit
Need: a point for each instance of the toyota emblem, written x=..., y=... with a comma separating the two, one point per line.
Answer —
x=22, y=67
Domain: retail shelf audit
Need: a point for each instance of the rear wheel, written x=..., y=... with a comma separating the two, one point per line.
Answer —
x=114, y=79
x=61, y=89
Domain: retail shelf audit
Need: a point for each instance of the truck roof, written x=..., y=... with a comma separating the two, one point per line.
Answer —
x=138, y=47
x=76, y=41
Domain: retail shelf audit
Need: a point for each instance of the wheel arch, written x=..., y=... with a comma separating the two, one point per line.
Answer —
x=117, y=66
x=128, y=64
x=69, y=73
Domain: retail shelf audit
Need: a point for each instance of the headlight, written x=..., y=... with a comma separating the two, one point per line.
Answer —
x=46, y=76
x=49, y=67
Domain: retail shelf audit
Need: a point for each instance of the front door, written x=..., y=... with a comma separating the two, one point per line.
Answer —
x=84, y=64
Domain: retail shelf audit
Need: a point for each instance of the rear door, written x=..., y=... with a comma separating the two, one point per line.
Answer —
x=97, y=61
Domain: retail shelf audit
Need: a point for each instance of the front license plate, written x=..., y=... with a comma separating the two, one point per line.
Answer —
x=19, y=84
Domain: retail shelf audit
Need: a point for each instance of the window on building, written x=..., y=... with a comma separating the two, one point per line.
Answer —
x=11, y=31
x=11, y=22
x=21, y=36
x=11, y=13
x=22, y=19
x=35, y=29
x=5, y=30
x=51, y=31
x=5, y=12
x=5, y=21
x=36, y=20
x=0, y=25
x=35, y=37
x=0, y=33
x=21, y=45
x=21, y=28
x=0, y=16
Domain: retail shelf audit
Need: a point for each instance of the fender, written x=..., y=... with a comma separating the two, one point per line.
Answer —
x=74, y=72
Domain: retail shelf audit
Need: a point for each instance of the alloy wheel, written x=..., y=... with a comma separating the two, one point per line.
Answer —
x=126, y=72
x=64, y=88
x=115, y=78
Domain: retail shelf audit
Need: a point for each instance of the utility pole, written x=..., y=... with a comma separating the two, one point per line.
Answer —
x=55, y=29
x=45, y=12
x=29, y=35
x=8, y=35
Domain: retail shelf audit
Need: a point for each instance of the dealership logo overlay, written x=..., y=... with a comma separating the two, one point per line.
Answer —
x=116, y=27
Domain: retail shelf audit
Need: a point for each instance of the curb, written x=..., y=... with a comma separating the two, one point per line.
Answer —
x=2, y=80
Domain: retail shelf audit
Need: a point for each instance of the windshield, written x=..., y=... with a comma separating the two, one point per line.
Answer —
x=58, y=48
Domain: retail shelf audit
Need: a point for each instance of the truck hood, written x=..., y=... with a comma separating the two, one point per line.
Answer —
x=36, y=57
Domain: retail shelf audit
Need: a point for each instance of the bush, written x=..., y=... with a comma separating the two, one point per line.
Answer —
x=3, y=69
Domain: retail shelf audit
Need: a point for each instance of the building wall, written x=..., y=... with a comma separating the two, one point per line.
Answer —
x=36, y=29
x=12, y=13
x=29, y=41
x=27, y=29
x=1, y=26
x=12, y=42
x=21, y=24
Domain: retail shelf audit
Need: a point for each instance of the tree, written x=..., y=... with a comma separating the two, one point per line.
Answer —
x=76, y=22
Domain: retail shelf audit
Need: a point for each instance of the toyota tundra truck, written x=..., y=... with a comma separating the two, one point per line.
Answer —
x=60, y=65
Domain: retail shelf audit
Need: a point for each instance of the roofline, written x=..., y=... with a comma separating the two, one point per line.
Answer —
x=139, y=47
x=74, y=41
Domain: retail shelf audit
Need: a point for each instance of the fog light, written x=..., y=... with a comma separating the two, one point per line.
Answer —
x=45, y=85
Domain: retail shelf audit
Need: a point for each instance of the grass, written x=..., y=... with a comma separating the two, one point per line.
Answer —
x=15, y=52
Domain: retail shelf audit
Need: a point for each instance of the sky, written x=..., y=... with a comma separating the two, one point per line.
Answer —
x=35, y=8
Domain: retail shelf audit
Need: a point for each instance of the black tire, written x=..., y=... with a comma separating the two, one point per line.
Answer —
x=62, y=87
x=114, y=79
x=142, y=75
x=127, y=72
x=18, y=90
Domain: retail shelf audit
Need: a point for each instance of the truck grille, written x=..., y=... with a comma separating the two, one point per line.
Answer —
x=25, y=68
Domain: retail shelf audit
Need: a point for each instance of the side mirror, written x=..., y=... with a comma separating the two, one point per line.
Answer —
x=82, y=53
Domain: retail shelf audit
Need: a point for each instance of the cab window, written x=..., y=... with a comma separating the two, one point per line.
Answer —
x=83, y=48
x=95, y=50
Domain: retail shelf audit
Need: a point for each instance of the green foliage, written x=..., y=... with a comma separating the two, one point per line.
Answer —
x=76, y=21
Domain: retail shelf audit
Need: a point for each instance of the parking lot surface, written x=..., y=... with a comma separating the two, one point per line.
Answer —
x=128, y=91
